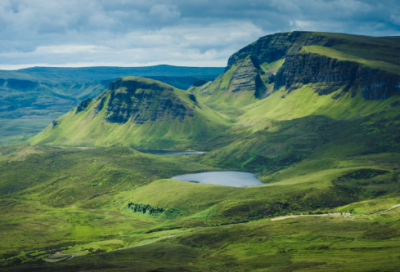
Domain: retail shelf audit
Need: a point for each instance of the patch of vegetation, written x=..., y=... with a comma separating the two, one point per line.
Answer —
x=368, y=182
x=154, y=211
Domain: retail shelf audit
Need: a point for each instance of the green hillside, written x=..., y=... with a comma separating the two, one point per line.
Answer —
x=304, y=95
x=113, y=208
x=315, y=115
x=31, y=98
x=138, y=112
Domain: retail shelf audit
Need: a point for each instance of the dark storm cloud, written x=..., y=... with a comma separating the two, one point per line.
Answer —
x=206, y=32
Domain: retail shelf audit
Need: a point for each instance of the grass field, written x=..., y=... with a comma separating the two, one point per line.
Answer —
x=84, y=204
x=330, y=167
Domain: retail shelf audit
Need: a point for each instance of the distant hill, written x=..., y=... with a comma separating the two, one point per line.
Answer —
x=108, y=72
x=137, y=112
x=31, y=98
x=283, y=86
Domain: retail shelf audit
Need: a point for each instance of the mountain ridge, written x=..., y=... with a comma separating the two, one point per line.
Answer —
x=319, y=146
x=136, y=112
x=31, y=98
x=288, y=67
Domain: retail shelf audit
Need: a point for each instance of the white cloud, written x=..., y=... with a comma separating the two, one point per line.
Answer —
x=202, y=32
x=69, y=49
x=190, y=45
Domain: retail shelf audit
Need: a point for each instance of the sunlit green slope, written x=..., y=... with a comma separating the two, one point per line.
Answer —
x=137, y=112
x=241, y=85
x=305, y=96
x=114, y=208
x=317, y=115
x=327, y=63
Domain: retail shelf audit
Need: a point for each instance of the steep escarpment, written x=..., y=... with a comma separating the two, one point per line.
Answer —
x=143, y=101
x=330, y=74
x=246, y=77
x=244, y=83
x=300, y=95
x=83, y=105
x=277, y=46
x=253, y=68
x=138, y=112
x=327, y=62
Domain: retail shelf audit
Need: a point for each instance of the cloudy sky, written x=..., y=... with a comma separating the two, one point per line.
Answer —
x=178, y=32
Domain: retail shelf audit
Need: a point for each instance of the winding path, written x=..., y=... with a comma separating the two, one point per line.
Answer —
x=330, y=214
x=156, y=240
x=391, y=208
x=303, y=215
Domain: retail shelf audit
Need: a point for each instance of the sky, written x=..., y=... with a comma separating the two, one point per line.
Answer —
x=77, y=33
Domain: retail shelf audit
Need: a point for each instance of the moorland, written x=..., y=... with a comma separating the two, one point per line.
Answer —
x=315, y=115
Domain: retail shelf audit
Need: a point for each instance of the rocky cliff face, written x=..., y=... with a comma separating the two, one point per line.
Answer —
x=277, y=46
x=83, y=105
x=246, y=77
x=330, y=74
x=377, y=84
x=142, y=101
x=249, y=76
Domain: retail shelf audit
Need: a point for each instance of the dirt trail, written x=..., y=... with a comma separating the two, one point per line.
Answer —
x=303, y=215
x=330, y=214
x=148, y=242
x=391, y=208
x=58, y=257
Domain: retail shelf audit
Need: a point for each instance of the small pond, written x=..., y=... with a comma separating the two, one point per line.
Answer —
x=165, y=152
x=225, y=178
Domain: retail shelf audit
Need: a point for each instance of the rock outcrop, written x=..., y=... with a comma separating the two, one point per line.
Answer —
x=277, y=46
x=141, y=101
x=245, y=76
x=199, y=83
x=83, y=105
x=330, y=74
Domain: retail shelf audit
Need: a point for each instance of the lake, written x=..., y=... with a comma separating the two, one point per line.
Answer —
x=225, y=178
x=165, y=152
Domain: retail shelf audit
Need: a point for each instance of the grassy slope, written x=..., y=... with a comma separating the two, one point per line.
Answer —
x=90, y=129
x=307, y=244
x=384, y=49
x=336, y=54
x=302, y=125
x=285, y=128
x=25, y=112
x=218, y=94
x=49, y=207
x=309, y=149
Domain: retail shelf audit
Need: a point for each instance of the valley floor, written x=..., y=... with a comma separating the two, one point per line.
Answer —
x=114, y=209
